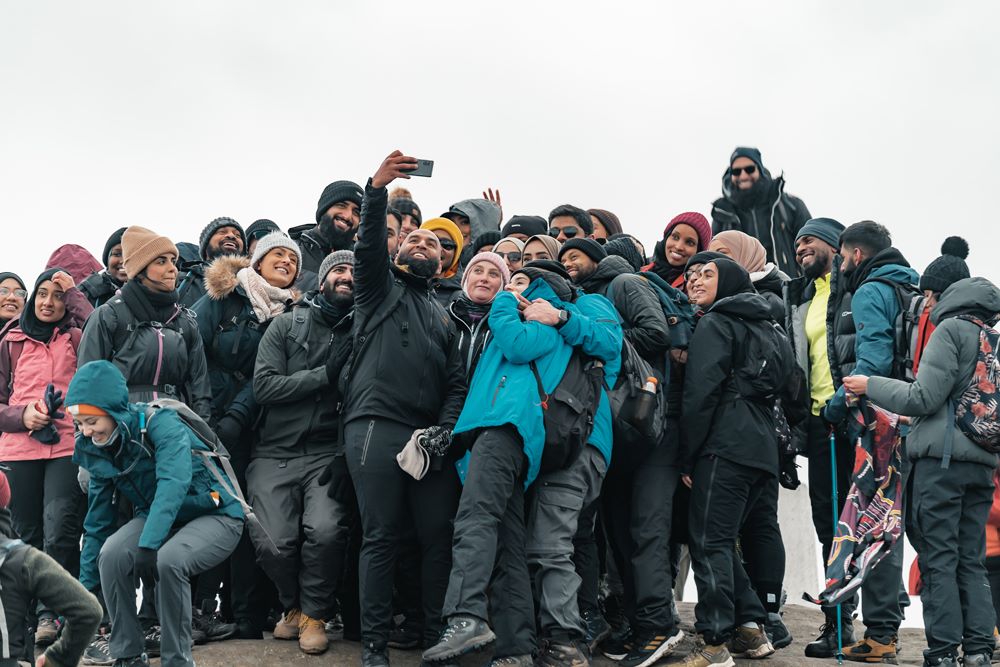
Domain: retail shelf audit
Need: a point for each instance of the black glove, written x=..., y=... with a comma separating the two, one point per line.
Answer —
x=789, y=474
x=339, y=353
x=337, y=476
x=436, y=440
x=49, y=435
x=145, y=566
x=229, y=430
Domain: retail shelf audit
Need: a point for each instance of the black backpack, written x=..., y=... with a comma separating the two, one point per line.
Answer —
x=569, y=411
x=906, y=327
x=766, y=363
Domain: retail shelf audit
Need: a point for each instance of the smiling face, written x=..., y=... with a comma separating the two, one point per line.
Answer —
x=483, y=281
x=578, y=265
x=338, y=288
x=690, y=278
x=814, y=256
x=706, y=287
x=50, y=302
x=12, y=297
x=744, y=173
x=344, y=216
x=98, y=429
x=680, y=244
x=448, y=248
x=161, y=274
x=116, y=264
x=511, y=255
x=279, y=267
x=534, y=250
x=518, y=283
x=421, y=251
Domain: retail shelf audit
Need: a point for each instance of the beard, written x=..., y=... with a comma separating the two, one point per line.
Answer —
x=747, y=199
x=339, y=239
x=819, y=267
x=423, y=268
x=335, y=298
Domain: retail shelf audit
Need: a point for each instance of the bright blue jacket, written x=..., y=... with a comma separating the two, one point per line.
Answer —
x=159, y=474
x=503, y=389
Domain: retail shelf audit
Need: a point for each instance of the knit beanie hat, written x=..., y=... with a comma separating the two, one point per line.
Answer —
x=490, y=258
x=113, y=240
x=825, y=229
x=624, y=248
x=456, y=235
x=696, y=221
x=261, y=228
x=588, y=247
x=743, y=249
x=335, y=258
x=530, y=225
x=140, y=246
x=402, y=200
x=554, y=274
x=486, y=238
x=747, y=152
x=612, y=225
x=272, y=241
x=214, y=226
x=338, y=191
x=550, y=243
x=949, y=268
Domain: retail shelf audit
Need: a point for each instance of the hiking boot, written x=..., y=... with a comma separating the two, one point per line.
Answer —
x=825, y=646
x=463, y=634
x=974, y=660
x=374, y=656
x=708, y=656
x=945, y=661
x=137, y=661
x=649, y=647
x=617, y=646
x=98, y=652
x=870, y=649
x=247, y=629
x=513, y=661
x=312, y=635
x=210, y=623
x=47, y=630
x=777, y=631
x=405, y=637
x=151, y=642
x=563, y=654
x=598, y=629
x=288, y=626
x=750, y=643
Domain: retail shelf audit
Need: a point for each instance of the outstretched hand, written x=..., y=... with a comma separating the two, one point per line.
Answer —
x=494, y=197
x=396, y=165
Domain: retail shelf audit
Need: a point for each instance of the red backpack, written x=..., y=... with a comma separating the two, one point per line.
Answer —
x=977, y=411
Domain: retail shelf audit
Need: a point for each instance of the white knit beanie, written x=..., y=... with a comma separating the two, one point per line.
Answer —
x=272, y=241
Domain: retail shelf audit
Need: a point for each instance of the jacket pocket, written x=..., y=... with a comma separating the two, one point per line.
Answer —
x=496, y=392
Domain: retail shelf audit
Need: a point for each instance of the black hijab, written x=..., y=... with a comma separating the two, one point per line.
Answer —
x=553, y=273
x=733, y=279
x=29, y=322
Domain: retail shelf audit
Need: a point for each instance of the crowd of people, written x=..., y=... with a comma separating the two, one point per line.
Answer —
x=459, y=433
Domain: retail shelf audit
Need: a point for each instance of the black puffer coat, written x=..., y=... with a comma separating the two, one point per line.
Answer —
x=99, y=288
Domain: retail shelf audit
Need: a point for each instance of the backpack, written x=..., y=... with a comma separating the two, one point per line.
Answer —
x=568, y=412
x=638, y=436
x=7, y=546
x=214, y=450
x=906, y=327
x=766, y=363
x=977, y=411
x=676, y=308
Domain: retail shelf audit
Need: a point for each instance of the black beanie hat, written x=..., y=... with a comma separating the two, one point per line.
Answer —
x=827, y=230
x=261, y=228
x=336, y=192
x=949, y=268
x=733, y=279
x=588, y=247
x=486, y=238
x=214, y=226
x=747, y=152
x=553, y=273
x=704, y=257
x=624, y=248
x=529, y=225
x=113, y=240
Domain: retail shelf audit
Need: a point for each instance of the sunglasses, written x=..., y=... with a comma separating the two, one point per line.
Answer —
x=449, y=245
x=6, y=291
x=512, y=256
x=570, y=232
x=739, y=170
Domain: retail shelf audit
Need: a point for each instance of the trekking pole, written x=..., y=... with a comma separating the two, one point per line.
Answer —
x=836, y=517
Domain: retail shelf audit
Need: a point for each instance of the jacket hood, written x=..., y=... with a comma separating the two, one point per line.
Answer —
x=746, y=305
x=889, y=264
x=101, y=384
x=541, y=289
x=74, y=260
x=774, y=184
x=220, y=276
x=970, y=296
x=607, y=270
x=189, y=254
x=483, y=215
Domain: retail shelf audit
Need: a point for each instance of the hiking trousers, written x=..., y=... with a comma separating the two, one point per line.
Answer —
x=947, y=524
x=488, y=549
x=762, y=548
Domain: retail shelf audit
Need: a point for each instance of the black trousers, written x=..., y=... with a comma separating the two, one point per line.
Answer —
x=389, y=500
x=722, y=496
x=762, y=547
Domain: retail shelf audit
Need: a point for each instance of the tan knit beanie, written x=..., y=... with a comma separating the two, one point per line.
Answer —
x=141, y=246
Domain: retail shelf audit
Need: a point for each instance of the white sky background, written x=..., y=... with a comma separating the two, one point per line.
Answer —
x=170, y=114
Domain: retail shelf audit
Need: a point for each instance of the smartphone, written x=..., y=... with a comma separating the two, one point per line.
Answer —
x=424, y=168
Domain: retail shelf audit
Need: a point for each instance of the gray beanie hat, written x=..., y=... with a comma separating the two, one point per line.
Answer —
x=272, y=241
x=333, y=259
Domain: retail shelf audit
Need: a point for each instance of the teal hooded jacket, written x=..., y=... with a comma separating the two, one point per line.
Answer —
x=503, y=389
x=164, y=480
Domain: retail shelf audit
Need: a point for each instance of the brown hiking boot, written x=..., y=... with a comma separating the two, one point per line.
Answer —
x=750, y=643
x=312, y=635
x=287, y=626
x=871, y=650
x=708, y=656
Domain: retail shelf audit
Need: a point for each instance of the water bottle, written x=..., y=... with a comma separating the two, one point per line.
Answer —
x=645, y=404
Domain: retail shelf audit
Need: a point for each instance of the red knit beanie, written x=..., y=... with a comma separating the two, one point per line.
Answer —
x=696, y=221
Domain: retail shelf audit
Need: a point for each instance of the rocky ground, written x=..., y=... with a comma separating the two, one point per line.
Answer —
x=803, y=623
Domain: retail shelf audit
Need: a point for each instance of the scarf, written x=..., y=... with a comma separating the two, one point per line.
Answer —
x=29, y=322
x=266, y=300
x=469, y=311
x=663, y=268
x=148, y=305
x=332, y=313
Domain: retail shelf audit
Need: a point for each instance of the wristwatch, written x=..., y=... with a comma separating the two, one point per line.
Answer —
x=563, y=319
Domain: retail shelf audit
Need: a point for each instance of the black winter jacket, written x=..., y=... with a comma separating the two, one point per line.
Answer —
x=447, y=290
x=715, y=419
x=472, y=335
x=771, y=286
x=407, y=366
x=315, y=247
x=191, y=283
x=300, y=406
x=99, y=288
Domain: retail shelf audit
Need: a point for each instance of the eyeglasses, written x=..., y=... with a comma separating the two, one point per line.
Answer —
x=570, y=232
x=6, y=291
x=693, y=273
x=512, y=256
x=448, y=245
x=749, y=170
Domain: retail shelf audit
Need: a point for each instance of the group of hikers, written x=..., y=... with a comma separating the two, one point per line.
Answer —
x=460, y=434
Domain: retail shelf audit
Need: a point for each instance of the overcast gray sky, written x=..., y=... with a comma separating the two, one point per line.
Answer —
x=170, y=114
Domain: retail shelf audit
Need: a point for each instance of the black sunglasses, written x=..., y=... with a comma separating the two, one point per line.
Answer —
x=448, y=245
x=750, y=169
x=513, y=256
x=570, y=232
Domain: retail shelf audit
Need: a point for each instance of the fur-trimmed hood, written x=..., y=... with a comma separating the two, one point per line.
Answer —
x=220, y=277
